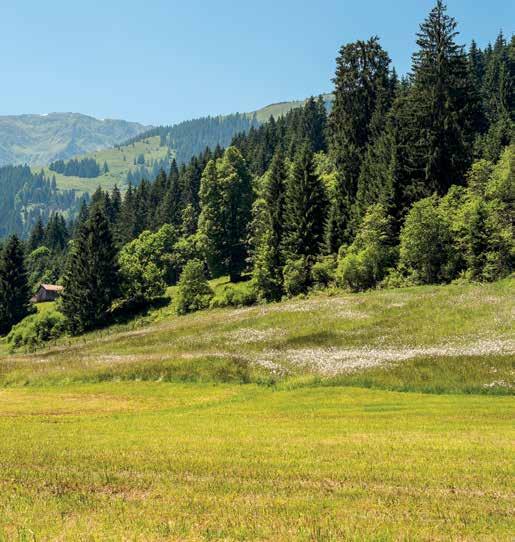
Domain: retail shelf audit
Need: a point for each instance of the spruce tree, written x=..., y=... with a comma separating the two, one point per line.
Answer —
x=37, y=236
x=14, y=286
x=361, y=82
x=269, y=261
x=305, y=209
x=91, y=274
x=442, y=116
x=226, y=201
x=170, y=208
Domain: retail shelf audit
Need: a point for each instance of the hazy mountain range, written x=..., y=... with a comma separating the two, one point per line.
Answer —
x=40, y=139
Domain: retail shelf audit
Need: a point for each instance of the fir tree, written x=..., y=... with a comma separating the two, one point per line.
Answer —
x=305, y=209
x=226, y=200
x=37, y=236
x=361, y=83
x=269, y=261
x=14, y=287
x=443, y=119
x=91, y=275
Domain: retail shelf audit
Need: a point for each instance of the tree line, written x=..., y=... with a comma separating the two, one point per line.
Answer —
x=405, y=181
x=87, y=168
x=191, y=137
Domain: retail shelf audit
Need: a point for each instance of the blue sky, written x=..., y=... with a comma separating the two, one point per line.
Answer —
x=163, y=61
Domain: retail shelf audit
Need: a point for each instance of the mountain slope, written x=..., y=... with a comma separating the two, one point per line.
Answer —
x=40, y=139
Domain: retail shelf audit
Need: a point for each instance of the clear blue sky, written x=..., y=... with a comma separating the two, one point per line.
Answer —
x=163, y=61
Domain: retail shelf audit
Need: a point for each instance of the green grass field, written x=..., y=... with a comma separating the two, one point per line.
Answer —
x=120, y=161
x=386, y=415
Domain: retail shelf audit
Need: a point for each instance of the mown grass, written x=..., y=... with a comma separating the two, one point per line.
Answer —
x=157, y=461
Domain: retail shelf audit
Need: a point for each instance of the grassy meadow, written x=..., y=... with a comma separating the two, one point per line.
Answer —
x=119, y=160
x=386, y=415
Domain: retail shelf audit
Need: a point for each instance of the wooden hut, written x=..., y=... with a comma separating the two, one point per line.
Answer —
x=47, y=292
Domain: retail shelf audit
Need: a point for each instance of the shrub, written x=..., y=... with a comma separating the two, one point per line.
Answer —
x=36, y=329
x=296, y=277
x=235, y=295
x=367, y=261
x=323, y=271
x=193, y=291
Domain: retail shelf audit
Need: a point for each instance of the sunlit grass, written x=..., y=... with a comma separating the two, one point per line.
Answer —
x=229, y=424
x=435, y=338
x=156, y=461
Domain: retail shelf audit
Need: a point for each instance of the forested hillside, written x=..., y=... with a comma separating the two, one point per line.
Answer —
x=26, y=198
x=404, y=182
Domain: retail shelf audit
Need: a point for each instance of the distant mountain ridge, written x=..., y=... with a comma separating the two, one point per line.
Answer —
x=37, y=140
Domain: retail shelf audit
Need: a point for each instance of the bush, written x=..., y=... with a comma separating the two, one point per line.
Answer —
x=367, y=261
x=235, y=295
x=193, y=291
x=296, y=277
x=36, y=329
x=323, y=272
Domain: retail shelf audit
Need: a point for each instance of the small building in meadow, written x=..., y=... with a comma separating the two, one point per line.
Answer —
x=47, y=292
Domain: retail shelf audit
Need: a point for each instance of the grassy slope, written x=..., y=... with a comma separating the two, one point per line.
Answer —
x=118, y=166
x=144, y=431
x=434, y=338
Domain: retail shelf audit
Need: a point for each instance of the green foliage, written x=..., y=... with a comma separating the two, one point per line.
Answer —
x=14, y=286
x=226, y=200
x=91, y=279
x=193, y=291
x=241, y=294
x=35, y=330
x=146, y=265
x=368, y=259
x=362, y=97
x=426, y=243
x=442, y=103
x=323, y=271
x=296, y=277
x=305, y=208
x=269, y=231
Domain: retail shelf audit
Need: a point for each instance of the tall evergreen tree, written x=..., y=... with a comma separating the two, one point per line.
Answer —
x=91, y=275
x=269, y=260
x=226, y=201
x=14, y=286
x=170, y=208
x=305, y=209
x=361, y=82
x=441, y=104
x=37, y=236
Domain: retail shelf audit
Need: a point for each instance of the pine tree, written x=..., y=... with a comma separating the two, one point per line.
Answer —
x=91, y=275
x=269, y=259
x=14, y=286
x=305, y=209
x=443, y=120
x=37, y=236
x=226, y=201
x=361, y=82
